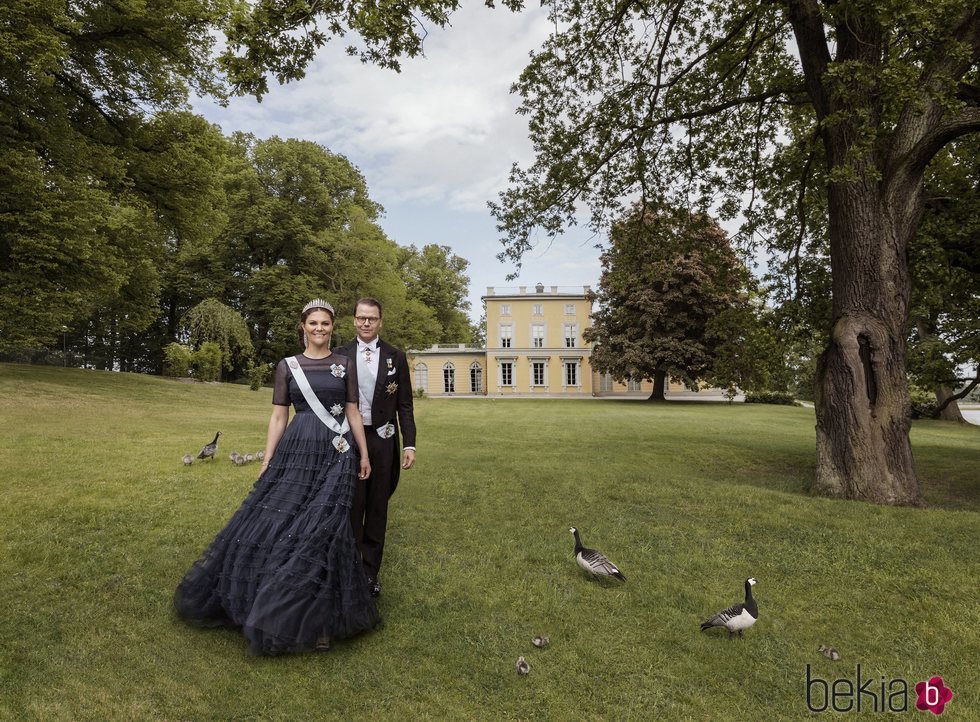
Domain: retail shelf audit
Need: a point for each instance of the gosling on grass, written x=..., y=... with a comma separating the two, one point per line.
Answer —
x=829, y=652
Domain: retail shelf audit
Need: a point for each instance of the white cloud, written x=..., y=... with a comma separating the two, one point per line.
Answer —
x=444, y=130
x=435, y=142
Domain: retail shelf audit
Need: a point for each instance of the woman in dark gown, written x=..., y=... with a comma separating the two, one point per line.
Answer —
x=286, y=569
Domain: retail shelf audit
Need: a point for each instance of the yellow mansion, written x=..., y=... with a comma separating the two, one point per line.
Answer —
x=534, y=348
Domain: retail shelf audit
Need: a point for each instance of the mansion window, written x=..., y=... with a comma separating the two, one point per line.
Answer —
x=476, y=378
x=571, y=373
x=606, y=383
x=538, y=309
x=506, y=334
x=505, y=309
x=449, y=378
x=537, y=335
x=421, y=376
x=569, y=309
x=506, y=373
x=633, y=385
x=537, y=373
x=571, y=335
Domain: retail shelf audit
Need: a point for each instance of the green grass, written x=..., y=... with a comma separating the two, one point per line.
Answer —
x=100, y=520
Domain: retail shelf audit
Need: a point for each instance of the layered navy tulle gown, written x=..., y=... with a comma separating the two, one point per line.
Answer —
x=286, y=568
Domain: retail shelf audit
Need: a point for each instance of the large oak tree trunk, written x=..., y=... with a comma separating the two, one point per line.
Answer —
x=862, y=400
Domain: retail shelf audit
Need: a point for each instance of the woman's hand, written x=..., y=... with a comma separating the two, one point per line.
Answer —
x=365, y=471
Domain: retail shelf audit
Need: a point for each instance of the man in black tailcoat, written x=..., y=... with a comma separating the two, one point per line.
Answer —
x=386, y=405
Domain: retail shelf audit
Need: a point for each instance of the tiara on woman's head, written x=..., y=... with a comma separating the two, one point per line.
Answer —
x=318, y=303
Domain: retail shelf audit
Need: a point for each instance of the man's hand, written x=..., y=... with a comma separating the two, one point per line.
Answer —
x=408, y=459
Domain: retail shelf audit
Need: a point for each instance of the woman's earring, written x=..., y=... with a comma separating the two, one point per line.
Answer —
x=305, y=340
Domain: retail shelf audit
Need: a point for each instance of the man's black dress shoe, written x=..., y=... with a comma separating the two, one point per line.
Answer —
x=374, y=586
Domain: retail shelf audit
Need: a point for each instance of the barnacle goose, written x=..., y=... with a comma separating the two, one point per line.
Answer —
x=594, y=562
x=209, y=449
x=738, y=617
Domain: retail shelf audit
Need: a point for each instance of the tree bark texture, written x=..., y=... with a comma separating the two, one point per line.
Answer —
x=862, y=400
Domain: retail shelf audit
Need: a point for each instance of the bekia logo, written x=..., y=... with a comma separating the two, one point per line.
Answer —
x=874, y=695
x=933, y=695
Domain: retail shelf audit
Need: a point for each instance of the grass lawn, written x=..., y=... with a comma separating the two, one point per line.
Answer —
x=100, y=520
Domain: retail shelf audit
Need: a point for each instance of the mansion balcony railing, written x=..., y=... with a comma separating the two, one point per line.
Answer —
x=537, y=290
x=452, y=347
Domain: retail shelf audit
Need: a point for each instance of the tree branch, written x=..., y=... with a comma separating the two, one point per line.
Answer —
x=90, y=101
x=811, y=39
x=920, y=134
x=955, y=397
x=718, y=107
x=968, y=121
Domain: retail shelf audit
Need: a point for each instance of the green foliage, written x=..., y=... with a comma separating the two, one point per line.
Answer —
x=779, y=398
x=302, y=225
x=691, y=102
x=79, y=240
x=269, y=37
x=257, y=376
x=213, y=321
x=696, y=101
x=942, y=336
x=751, y=352
x=436, y=277
x=207, y=361
x=177, y=359
x=924, y=405
x=945, y=256
x=804, y=378
x=123, y=211
x=668, y=279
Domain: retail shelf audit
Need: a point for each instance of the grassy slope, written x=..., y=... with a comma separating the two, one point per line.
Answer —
x=100, y=520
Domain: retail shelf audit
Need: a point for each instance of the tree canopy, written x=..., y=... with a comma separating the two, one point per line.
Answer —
x=79, y=234
x=436, y=277
x=122, y=210
x=667, y=278
x=211, y=321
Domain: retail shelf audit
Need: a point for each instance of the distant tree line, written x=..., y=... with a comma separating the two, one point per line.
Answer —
x=122, y=211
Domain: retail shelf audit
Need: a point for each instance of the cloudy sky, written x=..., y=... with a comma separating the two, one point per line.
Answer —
x=434, y=142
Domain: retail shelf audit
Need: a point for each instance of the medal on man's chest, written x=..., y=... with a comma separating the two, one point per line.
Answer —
x=391, y=388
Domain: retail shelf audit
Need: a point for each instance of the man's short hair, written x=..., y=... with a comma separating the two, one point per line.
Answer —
x=368, y=301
